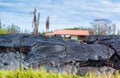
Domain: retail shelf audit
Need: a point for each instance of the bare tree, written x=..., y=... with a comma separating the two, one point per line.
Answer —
x=118, y=32
x=35, y=22
x=47, y=24
x=103, y=27
x=114, y=29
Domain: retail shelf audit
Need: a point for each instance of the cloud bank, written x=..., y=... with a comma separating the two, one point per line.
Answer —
x=63, y=13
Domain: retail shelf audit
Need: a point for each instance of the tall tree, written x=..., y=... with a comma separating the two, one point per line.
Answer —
x=35, y=22
x=2, y=30
x=47, y=24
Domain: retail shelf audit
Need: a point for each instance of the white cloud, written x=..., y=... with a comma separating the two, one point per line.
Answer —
x=63, y=13
x=6, y=4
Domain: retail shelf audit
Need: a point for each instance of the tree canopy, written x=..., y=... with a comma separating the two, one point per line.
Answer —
x=10, y=29
x=77, y=28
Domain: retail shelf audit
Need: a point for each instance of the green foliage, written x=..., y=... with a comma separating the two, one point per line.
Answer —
x=13, y=29
x=43, y=74
x=10, y=29
x=3, y=31
x=43, y=33
x=77, y=28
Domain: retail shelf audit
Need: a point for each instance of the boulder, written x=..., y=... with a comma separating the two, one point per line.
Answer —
x=57, y=55
x=113, y=43
x=11, y=60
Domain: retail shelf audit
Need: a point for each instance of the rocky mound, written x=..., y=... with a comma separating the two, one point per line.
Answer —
x=100, y=53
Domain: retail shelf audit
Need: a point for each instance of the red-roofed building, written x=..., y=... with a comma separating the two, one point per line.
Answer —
x=79, y=33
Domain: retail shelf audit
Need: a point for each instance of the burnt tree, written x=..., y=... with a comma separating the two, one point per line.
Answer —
x=35, y=22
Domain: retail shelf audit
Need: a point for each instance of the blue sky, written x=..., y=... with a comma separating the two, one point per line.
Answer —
x=63, y=13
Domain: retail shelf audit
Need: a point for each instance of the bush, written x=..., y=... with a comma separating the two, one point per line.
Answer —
x=3, y=31
x=43, y=74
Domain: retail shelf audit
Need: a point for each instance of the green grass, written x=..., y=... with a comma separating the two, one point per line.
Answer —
x=43, y=74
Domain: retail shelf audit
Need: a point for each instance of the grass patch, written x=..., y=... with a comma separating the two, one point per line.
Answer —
x=43, y=74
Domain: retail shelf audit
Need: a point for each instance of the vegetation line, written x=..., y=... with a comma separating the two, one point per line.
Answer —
x=43, y=74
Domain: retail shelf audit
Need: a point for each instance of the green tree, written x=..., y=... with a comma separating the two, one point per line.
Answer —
x=11, y=29
x=77, y=28
x=2, y=30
